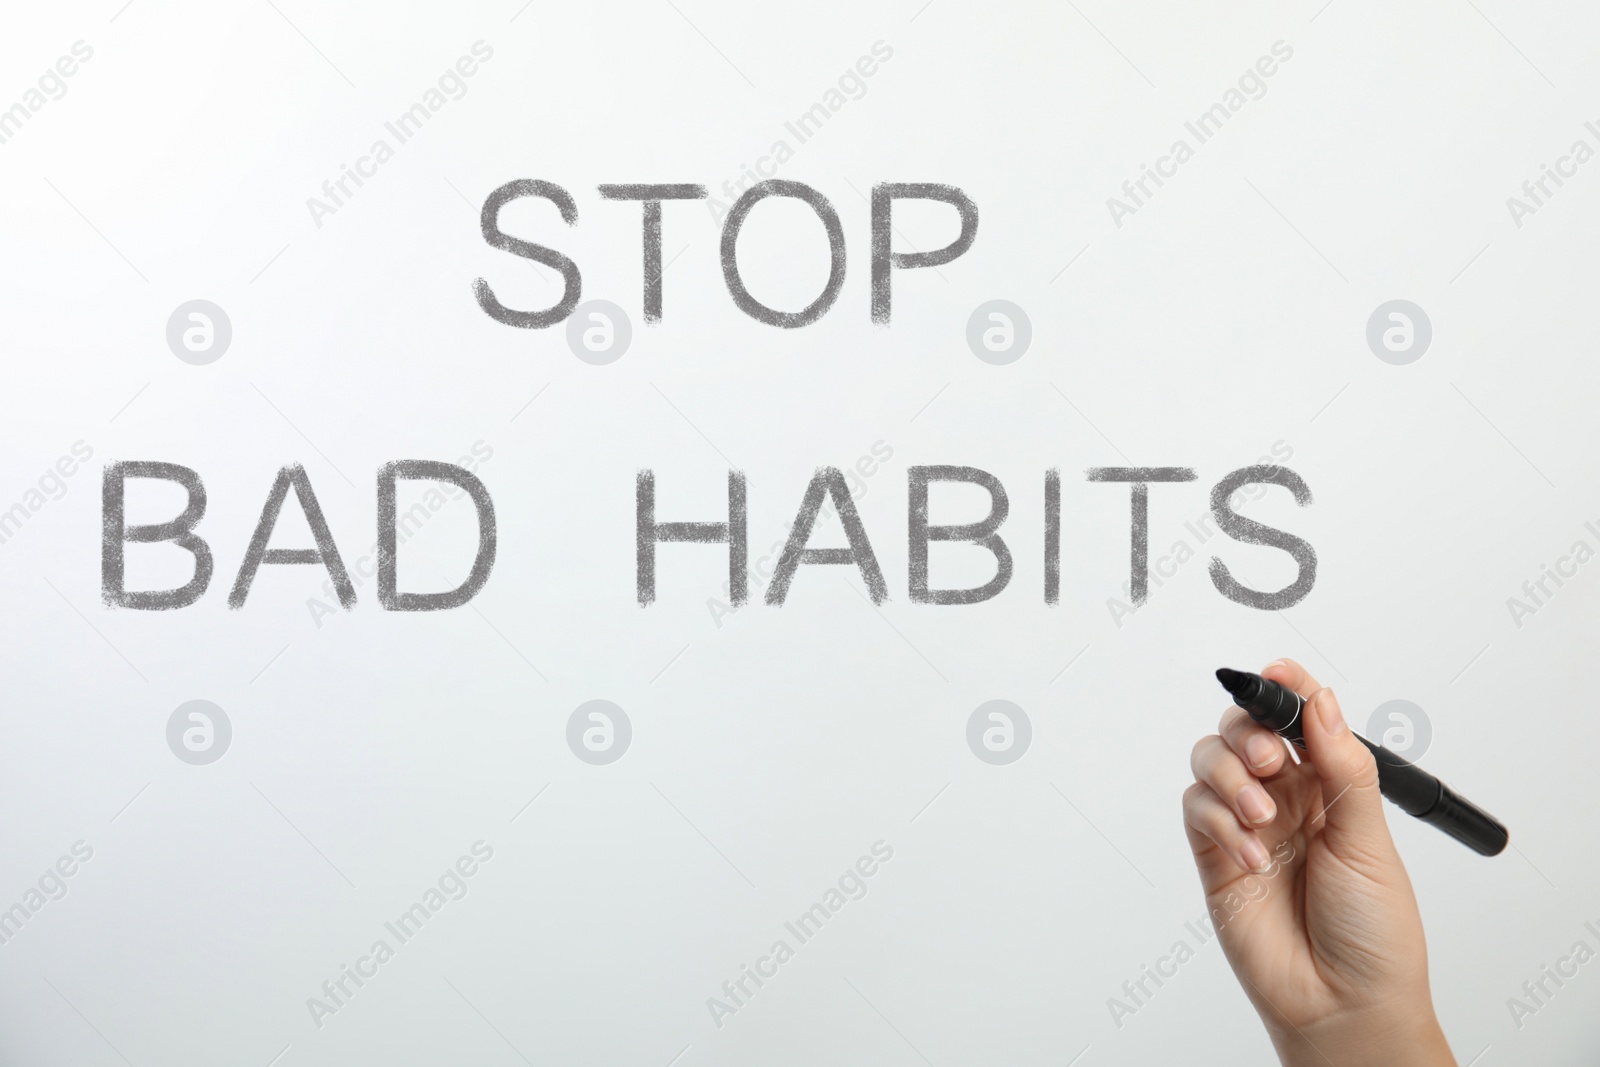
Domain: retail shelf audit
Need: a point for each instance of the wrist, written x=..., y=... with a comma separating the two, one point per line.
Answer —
x=1377, y=1039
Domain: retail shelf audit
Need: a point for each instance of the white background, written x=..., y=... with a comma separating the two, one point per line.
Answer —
x=771, y=751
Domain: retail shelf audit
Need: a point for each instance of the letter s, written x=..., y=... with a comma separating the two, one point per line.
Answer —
x=497, y=238
x=1251, y=532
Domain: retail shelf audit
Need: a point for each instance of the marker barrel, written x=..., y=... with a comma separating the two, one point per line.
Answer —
x=1419, y=793
x=1409, y=787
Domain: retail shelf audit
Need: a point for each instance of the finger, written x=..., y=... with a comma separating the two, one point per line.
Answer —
x=1211, y=822
x=1264, y=752
x=1220, y=767
x=1289, y=674
x=1351, y=803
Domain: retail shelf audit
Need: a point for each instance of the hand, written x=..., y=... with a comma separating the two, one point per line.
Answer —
x=1314, y=909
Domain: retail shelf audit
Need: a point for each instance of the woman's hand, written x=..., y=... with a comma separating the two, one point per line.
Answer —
x=1313, y=906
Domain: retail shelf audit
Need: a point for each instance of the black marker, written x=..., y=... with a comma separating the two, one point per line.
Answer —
x=1416, y=791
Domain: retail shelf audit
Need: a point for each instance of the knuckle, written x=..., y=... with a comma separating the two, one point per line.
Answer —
x=1290, y=672
x=1203, y=754
x=1363, y=769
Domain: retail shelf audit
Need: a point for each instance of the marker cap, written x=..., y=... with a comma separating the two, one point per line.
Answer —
x=1467, y=823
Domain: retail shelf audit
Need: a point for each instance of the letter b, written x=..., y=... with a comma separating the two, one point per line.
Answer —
x=180, y=531
x=981, y=534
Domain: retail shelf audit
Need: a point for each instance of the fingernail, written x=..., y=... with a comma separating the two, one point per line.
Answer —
x=1274, y=663
x=1255, y=856
x=1262, y=750
x=1332, y=717
x=1256, y=805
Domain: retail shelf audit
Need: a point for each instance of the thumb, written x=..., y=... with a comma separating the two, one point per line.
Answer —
x=1352, y=807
